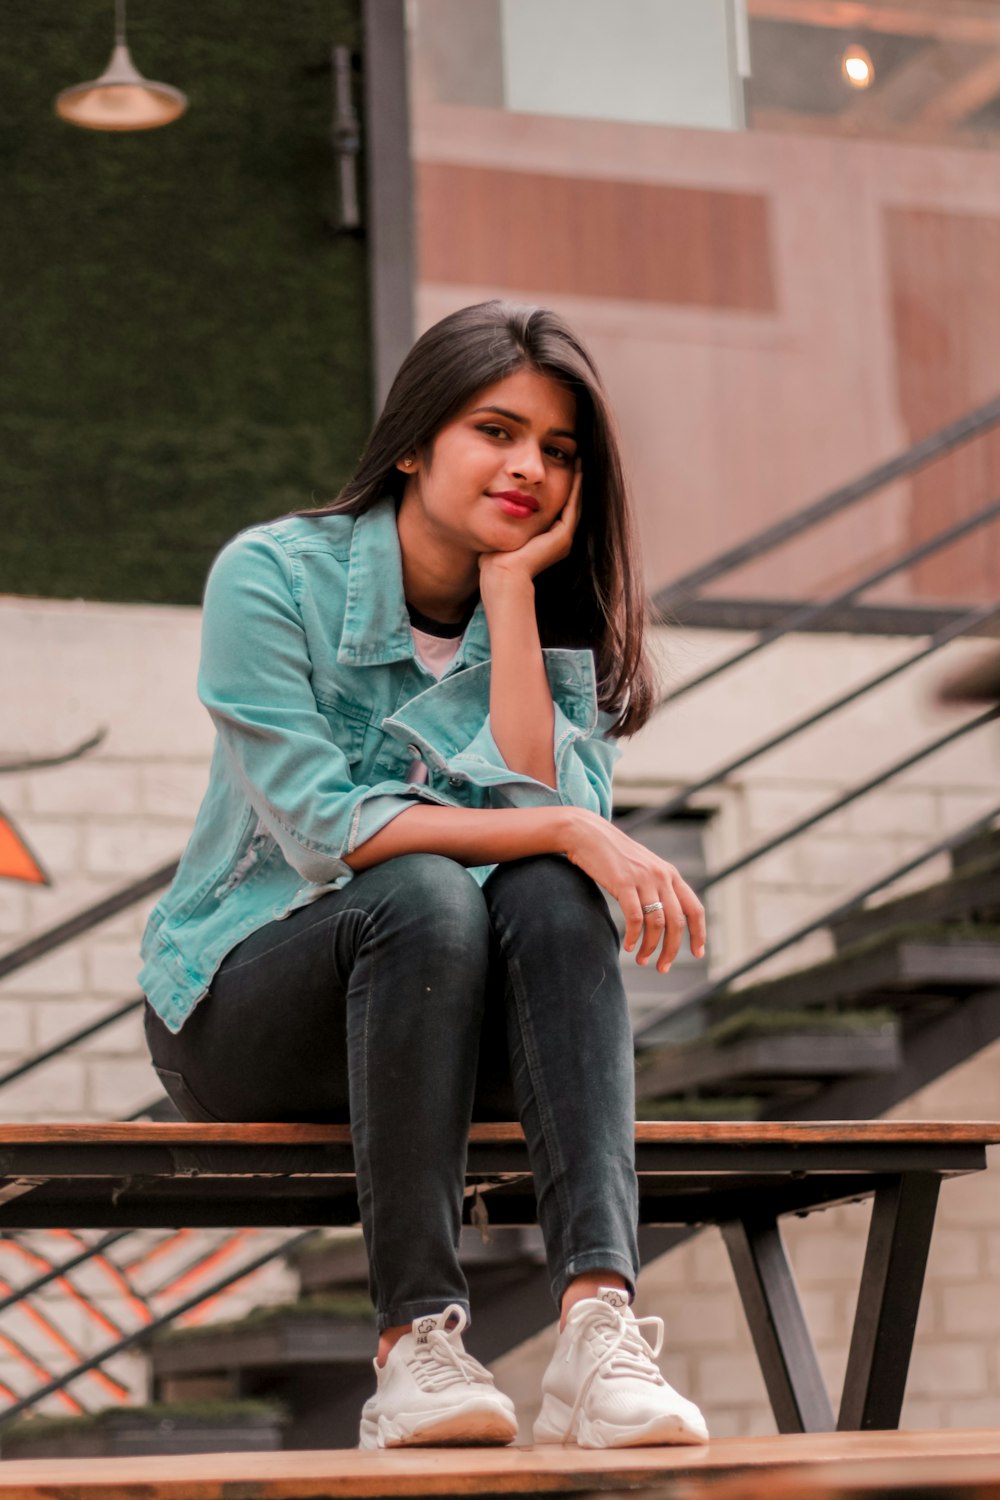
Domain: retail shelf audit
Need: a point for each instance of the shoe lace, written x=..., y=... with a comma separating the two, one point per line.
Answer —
x=619, y=1347
x=442, y=1362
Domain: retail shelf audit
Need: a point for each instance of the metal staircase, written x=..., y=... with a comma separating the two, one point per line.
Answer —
x=911, y=990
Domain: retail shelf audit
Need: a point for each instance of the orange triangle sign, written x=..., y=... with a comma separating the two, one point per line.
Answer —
x=16, y=860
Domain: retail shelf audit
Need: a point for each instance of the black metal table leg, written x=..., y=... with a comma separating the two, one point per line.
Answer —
x=888, y=1301
x=784, y=1345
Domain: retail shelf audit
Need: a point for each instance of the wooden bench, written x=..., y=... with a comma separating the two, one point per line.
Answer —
x=742, y=1177
x=833, y=1467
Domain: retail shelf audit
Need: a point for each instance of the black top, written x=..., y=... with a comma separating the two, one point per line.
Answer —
x=447, y=630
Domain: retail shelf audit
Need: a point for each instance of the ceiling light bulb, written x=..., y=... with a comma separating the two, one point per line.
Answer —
x=857, y=67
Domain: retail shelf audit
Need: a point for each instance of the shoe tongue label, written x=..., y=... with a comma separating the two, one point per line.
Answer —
x=423, y=1328
x=613, y=1296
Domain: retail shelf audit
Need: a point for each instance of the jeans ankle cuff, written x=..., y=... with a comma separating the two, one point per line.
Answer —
x=594, y=1260
x=405, y=1312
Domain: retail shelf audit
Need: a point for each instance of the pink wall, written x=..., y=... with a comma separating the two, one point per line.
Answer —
x=743, y=393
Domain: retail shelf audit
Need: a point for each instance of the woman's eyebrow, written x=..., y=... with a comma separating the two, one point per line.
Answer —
x=512, y=416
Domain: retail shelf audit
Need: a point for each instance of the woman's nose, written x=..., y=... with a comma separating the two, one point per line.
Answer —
x=526, y=463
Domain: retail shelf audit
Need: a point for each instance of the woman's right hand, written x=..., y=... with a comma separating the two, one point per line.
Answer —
x=636, y=877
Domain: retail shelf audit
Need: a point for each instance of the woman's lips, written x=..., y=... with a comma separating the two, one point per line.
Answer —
x=514, y=504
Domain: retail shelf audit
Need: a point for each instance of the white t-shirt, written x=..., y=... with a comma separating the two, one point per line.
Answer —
x=436, y=652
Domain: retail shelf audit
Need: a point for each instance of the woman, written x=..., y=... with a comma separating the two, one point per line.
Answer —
x=390, y=909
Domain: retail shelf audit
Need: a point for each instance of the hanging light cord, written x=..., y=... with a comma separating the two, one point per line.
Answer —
x=120, y=23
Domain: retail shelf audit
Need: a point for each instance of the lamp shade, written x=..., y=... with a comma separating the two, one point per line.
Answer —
x=121, y=99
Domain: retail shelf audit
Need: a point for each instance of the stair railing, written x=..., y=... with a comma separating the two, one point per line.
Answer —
x=145, y=1333
x=683, y=1020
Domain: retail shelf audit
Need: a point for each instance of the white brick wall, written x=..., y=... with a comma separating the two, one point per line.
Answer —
x=128, y=807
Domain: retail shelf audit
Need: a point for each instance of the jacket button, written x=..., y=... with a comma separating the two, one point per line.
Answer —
x=456, y=781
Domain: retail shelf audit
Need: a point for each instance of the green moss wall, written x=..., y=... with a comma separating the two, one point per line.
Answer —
x=185, y=337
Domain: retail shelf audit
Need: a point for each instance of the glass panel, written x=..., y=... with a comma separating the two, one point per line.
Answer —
x=914, y=70
x=659, y=62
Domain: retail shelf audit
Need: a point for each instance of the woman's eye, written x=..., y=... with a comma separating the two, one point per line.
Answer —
x=491, y=430
x=560, y=455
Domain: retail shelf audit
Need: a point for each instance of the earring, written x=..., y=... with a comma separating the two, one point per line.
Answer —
x=407, y=463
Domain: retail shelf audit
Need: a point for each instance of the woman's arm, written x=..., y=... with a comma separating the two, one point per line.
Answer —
x=628, y=871
x=522, y=716
x=469, y=836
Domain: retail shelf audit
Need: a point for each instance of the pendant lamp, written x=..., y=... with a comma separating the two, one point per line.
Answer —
x=121, y=99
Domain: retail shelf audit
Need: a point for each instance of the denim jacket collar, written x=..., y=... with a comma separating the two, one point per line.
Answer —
x=376, y=625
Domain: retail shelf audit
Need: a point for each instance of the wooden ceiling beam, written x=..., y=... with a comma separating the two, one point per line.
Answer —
x=905, y=92
x=975, y=21
x=965, y=95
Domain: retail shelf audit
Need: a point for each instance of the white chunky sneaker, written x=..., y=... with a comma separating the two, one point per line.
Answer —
x=603, y=1389
x=430, y=1391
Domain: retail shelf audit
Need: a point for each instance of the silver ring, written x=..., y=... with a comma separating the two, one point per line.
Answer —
x=653, y=906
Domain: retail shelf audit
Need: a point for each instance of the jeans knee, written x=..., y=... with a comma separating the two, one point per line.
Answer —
x=549, y=895
x=441, y=908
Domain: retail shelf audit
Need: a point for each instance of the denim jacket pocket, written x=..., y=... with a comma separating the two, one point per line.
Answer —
x=251, y=857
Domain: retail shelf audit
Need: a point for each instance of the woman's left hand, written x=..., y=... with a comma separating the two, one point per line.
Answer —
x=541, y=551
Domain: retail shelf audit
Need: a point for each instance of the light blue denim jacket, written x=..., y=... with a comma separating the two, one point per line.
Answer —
x=321, y=706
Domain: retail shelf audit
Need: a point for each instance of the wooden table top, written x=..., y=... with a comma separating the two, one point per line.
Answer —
x=759, y=1465
x=679, y=1132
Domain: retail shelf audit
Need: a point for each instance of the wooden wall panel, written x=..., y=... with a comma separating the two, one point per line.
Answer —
x=635, y=241
x=944, y=273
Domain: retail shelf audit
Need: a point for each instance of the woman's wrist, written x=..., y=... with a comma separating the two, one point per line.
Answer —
x=565, y=829
x=499, y=584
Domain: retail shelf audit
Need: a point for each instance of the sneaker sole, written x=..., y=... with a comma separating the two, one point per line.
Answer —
x=666, y=1431
x=465, y=1429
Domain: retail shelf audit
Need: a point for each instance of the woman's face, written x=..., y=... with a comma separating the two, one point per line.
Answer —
x=500, y=472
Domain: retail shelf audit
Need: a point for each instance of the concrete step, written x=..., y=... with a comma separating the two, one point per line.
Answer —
x=160, y=1428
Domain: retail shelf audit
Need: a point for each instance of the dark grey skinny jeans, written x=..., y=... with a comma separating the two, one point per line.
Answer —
x=410, y=1002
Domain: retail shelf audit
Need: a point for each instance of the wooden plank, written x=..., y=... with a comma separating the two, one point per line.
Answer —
x=686, y=246
x=671, y=1132
x=505, y=1471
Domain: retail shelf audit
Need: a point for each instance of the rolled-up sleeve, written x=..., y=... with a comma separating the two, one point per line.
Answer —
x=255, y=681
x=466, y=751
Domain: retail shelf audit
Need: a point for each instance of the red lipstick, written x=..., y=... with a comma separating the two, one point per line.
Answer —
x=514, y=502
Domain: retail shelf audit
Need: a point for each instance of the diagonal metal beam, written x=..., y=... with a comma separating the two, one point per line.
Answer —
x=888, y=1302
x=784, y=1345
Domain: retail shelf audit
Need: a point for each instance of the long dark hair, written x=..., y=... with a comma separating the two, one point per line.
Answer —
x=594, y=598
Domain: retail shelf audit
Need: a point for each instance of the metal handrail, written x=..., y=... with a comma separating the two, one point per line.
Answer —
x=30, y=1063
x=964, y=625
x=55, y=1272
x=808, y=614
x=693, y=1004
x=767, y=846
x=143, y=1334
x=980, y=419
x=37, y=947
